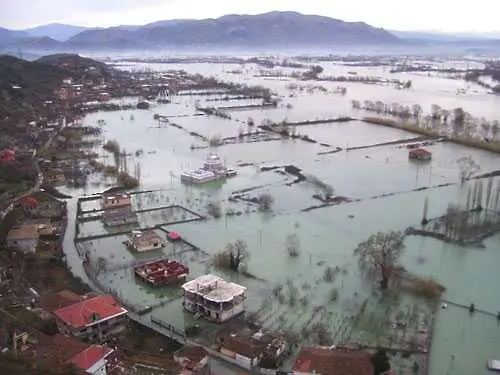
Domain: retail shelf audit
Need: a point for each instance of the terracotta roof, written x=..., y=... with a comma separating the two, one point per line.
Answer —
x=194, y=354
x=326, y=361
x=60, y=350
x=53, y=301
x=88, y=357
x=244, y=347
x=83, y=313
x=56, y=350
x=28, y=201
x=23, y=232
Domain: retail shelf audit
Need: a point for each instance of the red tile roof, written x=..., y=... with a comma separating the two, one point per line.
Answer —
x=83, y=313
x=90, y=356
x=327, y=361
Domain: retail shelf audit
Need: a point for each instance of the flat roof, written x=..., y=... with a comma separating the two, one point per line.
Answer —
x=145, y=238
x=214, y=288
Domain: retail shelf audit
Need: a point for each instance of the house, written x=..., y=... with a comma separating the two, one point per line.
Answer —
x=193, y=360
x=55, y=176
x=119, y=216
x=330, y=361
x=250, y=347
x=23, y=238
x=116, y=200
x=93, y=319
x=60, y=350
x=214, y=298
x=420, y=154
x=145, y=241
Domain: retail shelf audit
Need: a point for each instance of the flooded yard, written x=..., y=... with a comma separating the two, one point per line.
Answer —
x=319, y=295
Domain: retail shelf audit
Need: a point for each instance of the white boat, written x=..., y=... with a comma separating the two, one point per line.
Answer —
x=493, y=364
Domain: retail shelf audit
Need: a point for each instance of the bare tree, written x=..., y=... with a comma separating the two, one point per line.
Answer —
x=292, y=244
x=214, y=209
x=233, y=256
x=467, y=167
x=266, y=202
x=378, y=256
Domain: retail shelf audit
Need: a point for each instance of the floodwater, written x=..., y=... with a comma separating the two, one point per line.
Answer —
x=462, y=342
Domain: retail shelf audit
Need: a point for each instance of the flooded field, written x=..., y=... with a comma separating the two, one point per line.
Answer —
x=320, y=294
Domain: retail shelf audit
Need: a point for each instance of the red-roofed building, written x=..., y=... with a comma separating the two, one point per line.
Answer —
x=326, y=361
x=7, y=156
x=60, y=350
x=94, y=319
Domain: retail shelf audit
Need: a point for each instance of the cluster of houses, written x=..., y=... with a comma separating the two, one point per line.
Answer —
x=41, y=228
x=87, y=326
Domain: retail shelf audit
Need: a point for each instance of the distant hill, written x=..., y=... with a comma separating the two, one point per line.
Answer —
x=269, y=29
x=7, y=35
x=56, y=31
x=75, y=64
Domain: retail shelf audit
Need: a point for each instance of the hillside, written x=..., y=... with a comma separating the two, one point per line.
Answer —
x=269, y=29
x=56, y=31
x=25, y=85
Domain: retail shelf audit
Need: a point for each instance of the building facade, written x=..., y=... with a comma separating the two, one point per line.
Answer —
x=95, y=319
x=213, y=298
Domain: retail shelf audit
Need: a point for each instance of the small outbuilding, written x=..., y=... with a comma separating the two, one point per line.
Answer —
x=145, y=241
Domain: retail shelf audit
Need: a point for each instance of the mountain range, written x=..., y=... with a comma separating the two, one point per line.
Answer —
x=274, y=29
x=269, y=29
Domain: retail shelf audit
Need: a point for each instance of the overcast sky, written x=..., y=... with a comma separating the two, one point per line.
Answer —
x=444, y=15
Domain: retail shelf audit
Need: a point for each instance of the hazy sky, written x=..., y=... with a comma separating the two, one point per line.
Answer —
x=444, y=15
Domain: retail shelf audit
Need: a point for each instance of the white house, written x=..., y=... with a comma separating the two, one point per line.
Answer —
x=214, y=298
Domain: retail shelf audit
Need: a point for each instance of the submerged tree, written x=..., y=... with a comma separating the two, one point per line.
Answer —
x=292, y=244
x=425, y=220
x=467, y=167
x=265, y=202
x=233, y=256
x=378, y=256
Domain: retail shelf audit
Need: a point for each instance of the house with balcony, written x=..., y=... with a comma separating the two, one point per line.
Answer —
x=93, y=319
x=213, y=298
